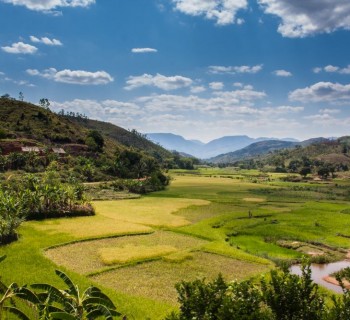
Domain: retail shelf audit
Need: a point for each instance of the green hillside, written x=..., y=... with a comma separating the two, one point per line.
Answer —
x=319, y=156
x=253, y=150
x=24, y=122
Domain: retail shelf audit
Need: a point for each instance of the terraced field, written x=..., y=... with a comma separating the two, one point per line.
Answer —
x=210, y=221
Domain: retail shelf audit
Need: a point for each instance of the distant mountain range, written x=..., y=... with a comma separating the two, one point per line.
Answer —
x=211, y=149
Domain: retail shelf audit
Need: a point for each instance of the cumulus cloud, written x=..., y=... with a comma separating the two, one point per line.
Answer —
x=301, y=18
x=46, y=40
x=118, y=112
x=222, y=11
x=333, y=69
x=282, y=73
x=329, y=111
x=159, y=81
x=222, y=102
x=20, y=48
x=73, y=76
x=144, y=50
x=322, y=92
x=216, y=85
x=235, y=69
x=197, y=89
x=49, y=5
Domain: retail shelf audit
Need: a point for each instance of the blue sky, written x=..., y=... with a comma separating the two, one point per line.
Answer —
x=199, y=68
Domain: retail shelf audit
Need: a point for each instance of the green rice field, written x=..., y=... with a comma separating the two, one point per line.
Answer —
x=236, y=222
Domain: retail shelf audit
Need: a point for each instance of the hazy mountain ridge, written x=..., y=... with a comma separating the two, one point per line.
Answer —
x=213, y=148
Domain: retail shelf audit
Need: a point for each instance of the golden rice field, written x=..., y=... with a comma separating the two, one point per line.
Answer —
x=214, y=222
x=156, y=279
x=84, y=257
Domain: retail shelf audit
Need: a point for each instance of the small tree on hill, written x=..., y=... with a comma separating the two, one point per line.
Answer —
x=95, y=141
x=44, y=103
x=305, y=171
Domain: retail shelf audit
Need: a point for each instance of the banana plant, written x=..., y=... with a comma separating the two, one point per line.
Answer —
x=11, y=296
x=71, y=304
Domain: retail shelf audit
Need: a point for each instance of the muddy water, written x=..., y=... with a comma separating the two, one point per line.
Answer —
x=319, y=271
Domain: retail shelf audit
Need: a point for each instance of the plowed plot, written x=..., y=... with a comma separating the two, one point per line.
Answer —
x=157, y=279
x=84, y=257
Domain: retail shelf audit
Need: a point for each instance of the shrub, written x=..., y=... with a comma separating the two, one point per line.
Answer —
x=292, y=297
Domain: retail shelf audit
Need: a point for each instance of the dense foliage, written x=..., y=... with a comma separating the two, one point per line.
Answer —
x=280, y=296
x=45, y=301
x=38, y=198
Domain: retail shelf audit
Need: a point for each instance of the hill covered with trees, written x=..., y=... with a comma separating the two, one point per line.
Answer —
x=321, y=156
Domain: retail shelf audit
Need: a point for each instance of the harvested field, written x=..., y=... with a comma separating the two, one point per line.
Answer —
x=157, y=279
x=131, y=253
x=83, y=257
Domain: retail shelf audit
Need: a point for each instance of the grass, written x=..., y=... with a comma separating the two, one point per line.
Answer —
x=123, y=217
x=91, y=227
x=83, y=257
x=130, y=254
x=197, y=228
x=156, y=279
x=148, y=211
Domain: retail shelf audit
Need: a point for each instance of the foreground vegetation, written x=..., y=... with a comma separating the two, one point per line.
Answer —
x=236, y=222
x=282, y=296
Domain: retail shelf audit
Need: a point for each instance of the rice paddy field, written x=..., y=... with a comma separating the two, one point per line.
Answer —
x=209, y=221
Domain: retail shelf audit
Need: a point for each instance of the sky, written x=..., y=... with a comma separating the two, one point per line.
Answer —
x=198, y=68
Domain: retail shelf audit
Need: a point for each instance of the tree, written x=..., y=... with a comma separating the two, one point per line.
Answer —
x=95, y=141
x=341, y=305
x=292, y=297
x=305, y=171
x=21, y=96
x=44, y=103
x=323, y=172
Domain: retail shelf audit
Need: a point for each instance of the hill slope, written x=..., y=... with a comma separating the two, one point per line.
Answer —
x=253, y=150
x=21, y=120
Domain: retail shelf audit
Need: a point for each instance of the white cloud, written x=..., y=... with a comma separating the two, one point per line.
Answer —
x=197, y=89
x=246, y=94
x=302, y=18
x=238, y=84
x=3, y=77
x=282, y=73
x=49, y=5
x=159, y=81
x=222, y=102
x=235, y=69
x=333, y=69
x=144, y=50
x=329, y=111
x=216, y=85
x=222, y=11
x=20, y=48
x=74, y=76
x=322, y=92
x=46, y=40
x=101, y=110
x=317, y=70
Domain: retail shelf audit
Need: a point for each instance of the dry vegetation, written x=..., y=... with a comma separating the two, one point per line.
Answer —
x=156, y=279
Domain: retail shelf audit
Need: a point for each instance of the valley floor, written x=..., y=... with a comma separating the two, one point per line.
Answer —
x=207, y=222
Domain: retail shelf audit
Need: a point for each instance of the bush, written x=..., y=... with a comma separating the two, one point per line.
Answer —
x=12, y=214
